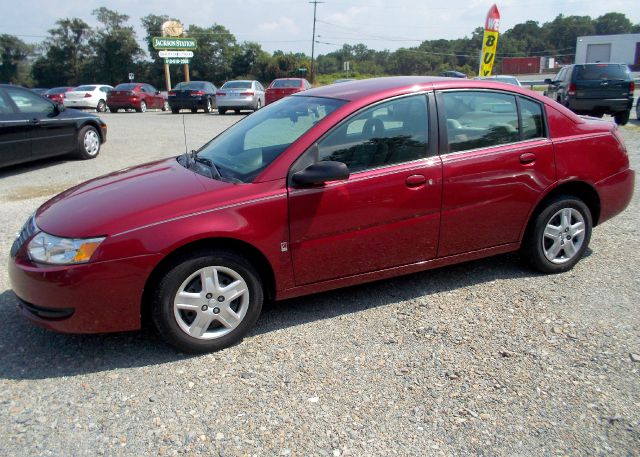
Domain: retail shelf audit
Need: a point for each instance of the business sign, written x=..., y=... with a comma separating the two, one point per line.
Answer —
x=169, y=54
x=173, y=61
x=490, y=41
x=174, y=43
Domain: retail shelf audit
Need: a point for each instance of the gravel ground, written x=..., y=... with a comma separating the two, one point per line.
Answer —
x=485, y=358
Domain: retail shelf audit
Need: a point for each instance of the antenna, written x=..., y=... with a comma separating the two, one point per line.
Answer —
x=184, y=131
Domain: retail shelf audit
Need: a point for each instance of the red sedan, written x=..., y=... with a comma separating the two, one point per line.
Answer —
x=283, y=87
x=328, y=188
x=57, y=94
x=137, y=96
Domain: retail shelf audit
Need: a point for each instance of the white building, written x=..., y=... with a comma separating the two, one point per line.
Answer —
x=609, y=48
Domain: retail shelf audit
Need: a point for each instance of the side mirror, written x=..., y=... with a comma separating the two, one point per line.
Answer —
x=58, y=108
x=548, y=81
x=320, y=173
x=157, y=92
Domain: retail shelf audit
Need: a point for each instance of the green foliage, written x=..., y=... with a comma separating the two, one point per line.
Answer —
x=13, y=60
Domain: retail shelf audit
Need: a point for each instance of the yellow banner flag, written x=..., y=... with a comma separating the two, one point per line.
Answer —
x=490, y=41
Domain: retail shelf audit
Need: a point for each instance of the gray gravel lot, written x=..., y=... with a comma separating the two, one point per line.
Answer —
x=485, y=358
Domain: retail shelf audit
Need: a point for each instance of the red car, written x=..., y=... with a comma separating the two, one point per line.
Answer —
x=138, y=96
x=282, y=87
x=57, y=94
x=335, y=186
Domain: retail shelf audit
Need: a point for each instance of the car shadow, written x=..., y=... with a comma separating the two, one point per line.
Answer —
x=30, y=352
x=18, y=169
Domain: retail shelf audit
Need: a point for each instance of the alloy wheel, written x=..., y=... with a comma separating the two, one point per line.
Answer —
x=563, y=235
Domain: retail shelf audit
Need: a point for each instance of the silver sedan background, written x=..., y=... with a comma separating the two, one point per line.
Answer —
x=240, y=95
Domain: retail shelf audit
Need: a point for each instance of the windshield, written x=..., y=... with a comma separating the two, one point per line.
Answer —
x=602, y=71
x=286, y=83
x=126, y=86
x=237, y=85
x=189, y=85
x=248, y=147
x=85, y=88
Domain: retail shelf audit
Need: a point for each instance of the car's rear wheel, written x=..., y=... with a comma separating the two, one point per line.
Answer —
x=222, y=111
x=165, y=106
x=258, y=105
x=101, y=107
x=237, y=111
x=207, y=301
x=207, y=106
x=114, y=110
x=88, y=143
x=558, y=235
x=622, y=118
x=194, y=110
x=175, y=110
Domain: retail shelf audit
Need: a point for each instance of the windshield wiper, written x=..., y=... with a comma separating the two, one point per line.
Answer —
x=193, y=155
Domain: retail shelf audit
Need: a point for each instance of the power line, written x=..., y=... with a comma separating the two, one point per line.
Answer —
x=313, y=37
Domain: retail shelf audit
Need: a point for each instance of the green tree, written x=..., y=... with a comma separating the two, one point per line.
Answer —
x=248, y=60
x=116, y=49
x=612, y=24
x=66, y=56
x=212, y=60
x=13, y=60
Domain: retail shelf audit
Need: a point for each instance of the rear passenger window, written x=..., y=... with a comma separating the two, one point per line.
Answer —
x=532, y=120
x=388, y=133
x=480, y=119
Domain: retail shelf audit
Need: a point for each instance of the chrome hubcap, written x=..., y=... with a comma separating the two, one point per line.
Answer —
x=563, y=236
x=91, y=142
x=143, y=107
x=211, y=302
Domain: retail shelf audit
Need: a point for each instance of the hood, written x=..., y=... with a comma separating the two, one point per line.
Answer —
x=129, y=199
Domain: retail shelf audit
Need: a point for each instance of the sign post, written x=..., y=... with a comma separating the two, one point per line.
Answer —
x=490, y=41
x=174, y=49
x=131, y=77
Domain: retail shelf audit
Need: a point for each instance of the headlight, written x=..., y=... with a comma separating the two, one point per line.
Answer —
x=47, y=248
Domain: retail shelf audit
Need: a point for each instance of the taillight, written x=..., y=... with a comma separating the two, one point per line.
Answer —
x=572, y=89
x=87, y=95
x=246, y=94
x=197, y=93
x=172, y=93
x=632, y=87
x=618, y=136
x=218, y=94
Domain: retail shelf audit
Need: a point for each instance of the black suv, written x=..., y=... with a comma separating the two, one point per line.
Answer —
x=595, y=89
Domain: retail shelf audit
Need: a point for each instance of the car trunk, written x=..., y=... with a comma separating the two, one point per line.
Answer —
x=73, y=95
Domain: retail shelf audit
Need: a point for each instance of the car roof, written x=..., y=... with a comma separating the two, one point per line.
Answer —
x=397, y=85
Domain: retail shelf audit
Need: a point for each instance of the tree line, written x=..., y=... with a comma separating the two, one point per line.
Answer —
x=74, y=53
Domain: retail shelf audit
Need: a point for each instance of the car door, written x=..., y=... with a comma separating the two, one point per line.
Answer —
x=496, y=162
x=552, y=89
x=387, y=213
x=15, y=141
x=51, y=131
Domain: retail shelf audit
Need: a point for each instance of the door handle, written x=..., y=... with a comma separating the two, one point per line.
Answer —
x=527, y=157
x=35, y=120
x=415, y=180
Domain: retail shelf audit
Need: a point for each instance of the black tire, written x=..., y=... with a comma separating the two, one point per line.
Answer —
x=622, y=118
x=173, y=280
x=208, y=106
x=175, y=110
x=114, y=110
x=194, y=110
x=222, y=111
x=88, y=143
x=258, y=105
x=237, y=111
x=534, y=242
x=101, y=107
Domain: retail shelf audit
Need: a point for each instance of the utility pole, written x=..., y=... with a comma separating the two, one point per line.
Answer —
x=313, y=40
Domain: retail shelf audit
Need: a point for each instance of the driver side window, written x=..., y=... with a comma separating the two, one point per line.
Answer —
x=28, y=102
x=388, y=133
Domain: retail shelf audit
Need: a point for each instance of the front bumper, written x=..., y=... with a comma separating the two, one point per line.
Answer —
x=87, y=298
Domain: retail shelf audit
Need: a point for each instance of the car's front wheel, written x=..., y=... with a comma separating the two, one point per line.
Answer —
x=558, y=235
x=88, y=143
x=207, y=301
x=143, y=107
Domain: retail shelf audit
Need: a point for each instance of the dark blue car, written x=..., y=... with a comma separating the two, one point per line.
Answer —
x=193, y=95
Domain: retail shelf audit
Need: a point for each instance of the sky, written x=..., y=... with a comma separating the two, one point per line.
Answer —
x=287, y=24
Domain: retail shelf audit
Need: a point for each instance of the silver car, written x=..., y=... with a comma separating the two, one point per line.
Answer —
x=88, y=96
x=239, y=95
x=508, y=79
